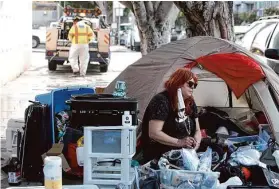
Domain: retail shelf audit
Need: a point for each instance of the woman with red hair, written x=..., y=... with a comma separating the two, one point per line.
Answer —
x=168, y=123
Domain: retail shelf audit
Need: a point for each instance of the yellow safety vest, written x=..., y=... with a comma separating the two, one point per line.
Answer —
x=80, y=33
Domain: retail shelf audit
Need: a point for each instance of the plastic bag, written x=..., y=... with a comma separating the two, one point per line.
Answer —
x=276, y=156
x=209, y=181
x=272, y=178
x=247, y=157
x=190, y=159
x=232, y=181
x=166, y=174
x=179, y=177
x=206, y=160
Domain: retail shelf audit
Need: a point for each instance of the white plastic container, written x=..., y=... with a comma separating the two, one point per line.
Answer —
x=53, y=172
x=80, y=157
x=126, y=119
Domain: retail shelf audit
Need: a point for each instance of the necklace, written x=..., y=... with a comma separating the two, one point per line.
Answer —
x=187, y=126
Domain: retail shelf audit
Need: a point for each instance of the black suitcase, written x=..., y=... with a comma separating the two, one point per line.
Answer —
x=35, y=141
x=101, y=110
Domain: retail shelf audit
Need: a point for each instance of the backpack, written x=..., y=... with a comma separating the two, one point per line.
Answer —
x=35, y=141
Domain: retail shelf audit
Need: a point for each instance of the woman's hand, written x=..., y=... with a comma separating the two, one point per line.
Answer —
x=187, y=142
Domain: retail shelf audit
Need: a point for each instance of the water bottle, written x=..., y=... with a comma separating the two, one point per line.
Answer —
x=120, y=89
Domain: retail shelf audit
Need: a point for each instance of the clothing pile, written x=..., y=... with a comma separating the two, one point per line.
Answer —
x=70, y=138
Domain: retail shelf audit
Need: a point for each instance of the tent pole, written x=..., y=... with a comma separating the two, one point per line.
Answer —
x=230, y=97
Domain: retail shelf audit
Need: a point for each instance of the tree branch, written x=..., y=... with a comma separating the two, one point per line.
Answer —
x=163, y=11
x=140, y=14
x=156, y=5
x=149, y=9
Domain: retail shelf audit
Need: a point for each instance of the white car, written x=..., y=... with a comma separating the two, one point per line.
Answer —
x=38, y=37
x=262, y=38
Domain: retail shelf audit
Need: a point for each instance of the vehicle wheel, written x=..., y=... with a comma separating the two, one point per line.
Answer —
x=52, y=65
x=35, y=42
x=137, y=48
x=103, y=68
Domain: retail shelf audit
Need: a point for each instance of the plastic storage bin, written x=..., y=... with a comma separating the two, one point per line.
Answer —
x=259, y=143
x=174, y=178
x=56, y=100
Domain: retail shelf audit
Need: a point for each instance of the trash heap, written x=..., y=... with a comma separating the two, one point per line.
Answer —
x=228, y=161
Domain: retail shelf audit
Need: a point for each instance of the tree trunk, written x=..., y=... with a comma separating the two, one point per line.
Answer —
x=153, y=21
x=210, y=18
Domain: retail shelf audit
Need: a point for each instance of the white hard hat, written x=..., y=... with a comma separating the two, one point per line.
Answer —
x=222, y=130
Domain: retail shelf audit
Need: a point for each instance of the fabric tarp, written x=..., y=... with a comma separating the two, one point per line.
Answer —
x=237, y=70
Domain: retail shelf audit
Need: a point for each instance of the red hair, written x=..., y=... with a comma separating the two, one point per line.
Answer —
x=176, y=80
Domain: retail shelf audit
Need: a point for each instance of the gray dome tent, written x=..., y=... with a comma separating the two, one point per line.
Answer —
x=146, y=77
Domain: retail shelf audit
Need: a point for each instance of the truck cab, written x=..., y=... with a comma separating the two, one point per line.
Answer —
x=58, y=45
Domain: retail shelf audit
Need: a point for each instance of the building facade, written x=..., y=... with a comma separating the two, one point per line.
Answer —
x=253, y=6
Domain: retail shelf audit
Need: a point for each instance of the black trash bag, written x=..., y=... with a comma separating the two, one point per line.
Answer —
x=211, y=119
x=150, y=183
x=267, y=156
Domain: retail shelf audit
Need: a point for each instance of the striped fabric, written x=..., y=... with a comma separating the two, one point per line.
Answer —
x=80, y=33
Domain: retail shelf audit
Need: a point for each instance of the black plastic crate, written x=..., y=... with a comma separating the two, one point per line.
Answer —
x=101, y=110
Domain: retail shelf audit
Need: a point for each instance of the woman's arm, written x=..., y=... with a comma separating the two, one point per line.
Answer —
x=197, y=136
x=156, y=133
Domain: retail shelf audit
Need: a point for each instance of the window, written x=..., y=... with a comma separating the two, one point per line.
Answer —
x=260, y=42
x=249, y=35
x=274, y=43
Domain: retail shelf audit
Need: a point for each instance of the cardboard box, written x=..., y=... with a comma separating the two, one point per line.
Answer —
x=56, y=150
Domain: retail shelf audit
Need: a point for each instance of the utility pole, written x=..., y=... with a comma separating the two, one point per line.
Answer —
x=119, y=29
x=118, y=12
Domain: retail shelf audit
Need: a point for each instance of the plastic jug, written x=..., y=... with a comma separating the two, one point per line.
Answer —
x=53, y=172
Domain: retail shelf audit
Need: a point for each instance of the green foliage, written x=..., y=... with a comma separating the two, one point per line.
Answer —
x=126, y=12
x=110, y=5
x=271, y=11
x=245, y=17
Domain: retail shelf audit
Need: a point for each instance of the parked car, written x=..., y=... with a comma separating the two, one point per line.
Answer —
x=263, y=36
x=177, y=34
x=38, y=37
x=240, y=31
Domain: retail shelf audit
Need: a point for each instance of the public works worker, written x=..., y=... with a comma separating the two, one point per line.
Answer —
x=80, y=35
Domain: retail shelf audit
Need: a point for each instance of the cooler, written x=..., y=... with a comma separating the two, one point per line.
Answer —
x=101, y=110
